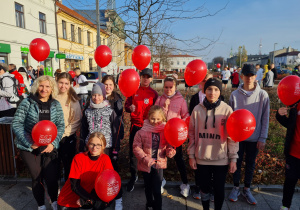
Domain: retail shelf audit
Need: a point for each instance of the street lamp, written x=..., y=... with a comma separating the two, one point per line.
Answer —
x=240, y=47
x=274, y=53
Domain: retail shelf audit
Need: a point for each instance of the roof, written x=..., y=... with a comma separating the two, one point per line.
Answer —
x=76, y=15
x=288, y=54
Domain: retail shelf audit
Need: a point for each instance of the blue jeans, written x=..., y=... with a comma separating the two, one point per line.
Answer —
x=250, y=149
x=83, y=98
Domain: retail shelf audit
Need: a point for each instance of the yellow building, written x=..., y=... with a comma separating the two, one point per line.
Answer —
x=77, y=40
x=128, y=55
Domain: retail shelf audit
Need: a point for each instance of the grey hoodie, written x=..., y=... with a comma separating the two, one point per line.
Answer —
x=258, y=103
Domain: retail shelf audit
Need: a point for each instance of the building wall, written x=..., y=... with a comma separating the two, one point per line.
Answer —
x=180, y=63
x=18, y=37
x=81, y=51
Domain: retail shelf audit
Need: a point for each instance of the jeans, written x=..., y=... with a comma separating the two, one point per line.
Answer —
x=292, y=174
x=250, y=148
x=152, y=183
x=133, y=160
x=83, y=98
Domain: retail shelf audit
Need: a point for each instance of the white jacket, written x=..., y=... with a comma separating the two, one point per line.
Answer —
x=6, y=91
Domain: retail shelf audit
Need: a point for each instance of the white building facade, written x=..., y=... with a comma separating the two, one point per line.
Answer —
x=21, y=22
x=178, y=63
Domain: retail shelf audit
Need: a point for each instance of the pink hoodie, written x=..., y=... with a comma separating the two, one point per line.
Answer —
x=177, y=107
x=142, y=147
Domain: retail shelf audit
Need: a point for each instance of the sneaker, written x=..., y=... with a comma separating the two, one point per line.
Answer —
x=54, y=205
x=249, y=197
x=43, y=207
x=119, y=205
x=284, y=208
x=130, y=184
x=197, y=194
x=163, y=183
x=212, y=197
x=234, y=194
x=185, y=190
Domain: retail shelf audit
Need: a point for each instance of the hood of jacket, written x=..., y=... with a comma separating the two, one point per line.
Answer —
x=255, y=91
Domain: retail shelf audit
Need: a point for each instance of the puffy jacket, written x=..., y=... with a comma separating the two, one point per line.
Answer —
x=27, y=115
x=19, y=77
x=142, y=147
x=177, y=107
x=6, y=91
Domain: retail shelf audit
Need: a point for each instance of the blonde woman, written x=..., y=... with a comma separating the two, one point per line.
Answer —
x=42, y=161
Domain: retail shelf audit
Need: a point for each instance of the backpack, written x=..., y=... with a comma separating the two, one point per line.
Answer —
x=15, y=98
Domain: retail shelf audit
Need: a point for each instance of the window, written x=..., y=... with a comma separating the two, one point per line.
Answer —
x=89, y=38
x=42, y=18
x=79, y=35
x=64, y=28
x=183, y=63
x=91, y=64
x=72, y=33
x=177, y=62
x=172, y=62
x=19, y=15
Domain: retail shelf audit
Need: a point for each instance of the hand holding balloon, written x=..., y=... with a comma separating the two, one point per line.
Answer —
x=167, y=103
x=132, y=108
x=283, y=111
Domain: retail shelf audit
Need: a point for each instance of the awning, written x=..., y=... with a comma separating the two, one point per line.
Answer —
x=60, y=55
x=5, y=48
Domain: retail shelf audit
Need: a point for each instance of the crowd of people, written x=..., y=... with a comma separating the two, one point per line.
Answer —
x=99, y=117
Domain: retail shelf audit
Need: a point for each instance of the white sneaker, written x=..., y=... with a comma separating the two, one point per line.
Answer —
x=43, y=207
x=185, y=190
x=119, y=205
x=163, y=183
x=284, y=208
x=54, y=205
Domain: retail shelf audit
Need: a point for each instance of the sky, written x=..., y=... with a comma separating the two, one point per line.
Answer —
x=240, y=23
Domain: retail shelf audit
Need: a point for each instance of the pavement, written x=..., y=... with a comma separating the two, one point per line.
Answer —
x=18, y=195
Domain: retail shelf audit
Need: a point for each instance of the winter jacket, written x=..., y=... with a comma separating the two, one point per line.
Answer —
x=19, y=77
x=177, y=107
x=235, y=78
x=269, y=79
x=7, y=91
x=258, y=103
x=102, y=120
x=142, y=147
x=27, y=115
x=143, y=99
x=290, y=124
x=211, y=146
x=72, y=114
x=27, y=82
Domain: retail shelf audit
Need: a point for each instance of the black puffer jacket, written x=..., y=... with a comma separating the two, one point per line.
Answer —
x=290, y=124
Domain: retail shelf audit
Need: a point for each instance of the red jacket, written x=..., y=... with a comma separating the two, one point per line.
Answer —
x=142, y=147
x=19, y=77
x=143, y=99
x=235, y=78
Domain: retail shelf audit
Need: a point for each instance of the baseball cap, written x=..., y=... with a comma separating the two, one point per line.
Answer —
x=248, y=69
x=146, y=71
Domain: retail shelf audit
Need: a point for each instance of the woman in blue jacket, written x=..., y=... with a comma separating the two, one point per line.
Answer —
x=42, y=161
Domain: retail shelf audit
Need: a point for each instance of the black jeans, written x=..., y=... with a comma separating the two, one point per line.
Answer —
x=66, y=153
x=205, y=174
x=43, y=167
x=250, y=148
x=152, y=183
x=181, y=165
x=114, y=162
x=133, y=160
x=292, y=174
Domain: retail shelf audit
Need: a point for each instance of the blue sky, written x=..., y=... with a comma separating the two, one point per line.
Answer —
x=240, y=23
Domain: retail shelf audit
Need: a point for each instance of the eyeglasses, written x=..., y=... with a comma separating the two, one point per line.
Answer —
x=95, y=145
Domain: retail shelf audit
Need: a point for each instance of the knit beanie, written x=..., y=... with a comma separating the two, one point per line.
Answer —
x=99, y=88
x=213, y=82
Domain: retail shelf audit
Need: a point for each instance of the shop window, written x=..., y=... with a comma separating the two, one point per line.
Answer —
x=20, y=15
x=24, y=59
x=42, y=18
x=3, y=58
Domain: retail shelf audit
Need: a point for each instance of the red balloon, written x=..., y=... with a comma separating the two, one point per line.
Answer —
x=39, y=49
x=108, y=185
x=240, y=125
x=141, y=57
x=176, y=132
x=129, y=82
x=72, y=73
x=218, y=65
x=44, y=132
x=103, y=55
x=195, y=72
x=288, y=90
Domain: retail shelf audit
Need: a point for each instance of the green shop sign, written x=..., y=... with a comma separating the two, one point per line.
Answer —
x=25, y=50
x=5, y=48
x=51, y=55
x=60, y=55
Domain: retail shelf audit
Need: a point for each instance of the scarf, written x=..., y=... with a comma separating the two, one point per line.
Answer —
x=98, y=106
x=210, y=106
x=153, y=129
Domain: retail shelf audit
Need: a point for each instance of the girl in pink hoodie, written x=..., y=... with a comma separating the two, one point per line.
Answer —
x=151, y=148
x=174, y=105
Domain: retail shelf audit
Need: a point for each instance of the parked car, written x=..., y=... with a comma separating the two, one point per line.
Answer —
x=284, y=71
x=92, y=78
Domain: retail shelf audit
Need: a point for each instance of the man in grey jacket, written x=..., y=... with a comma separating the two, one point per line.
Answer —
x=269, y=79
x=251, y=97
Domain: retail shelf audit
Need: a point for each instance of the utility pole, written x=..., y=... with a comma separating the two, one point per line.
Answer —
x=240, y=56
x=274, y=53
x=98, y=38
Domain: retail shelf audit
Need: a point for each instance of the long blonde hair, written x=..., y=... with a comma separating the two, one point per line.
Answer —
x=156, y=108
x=35, y=85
